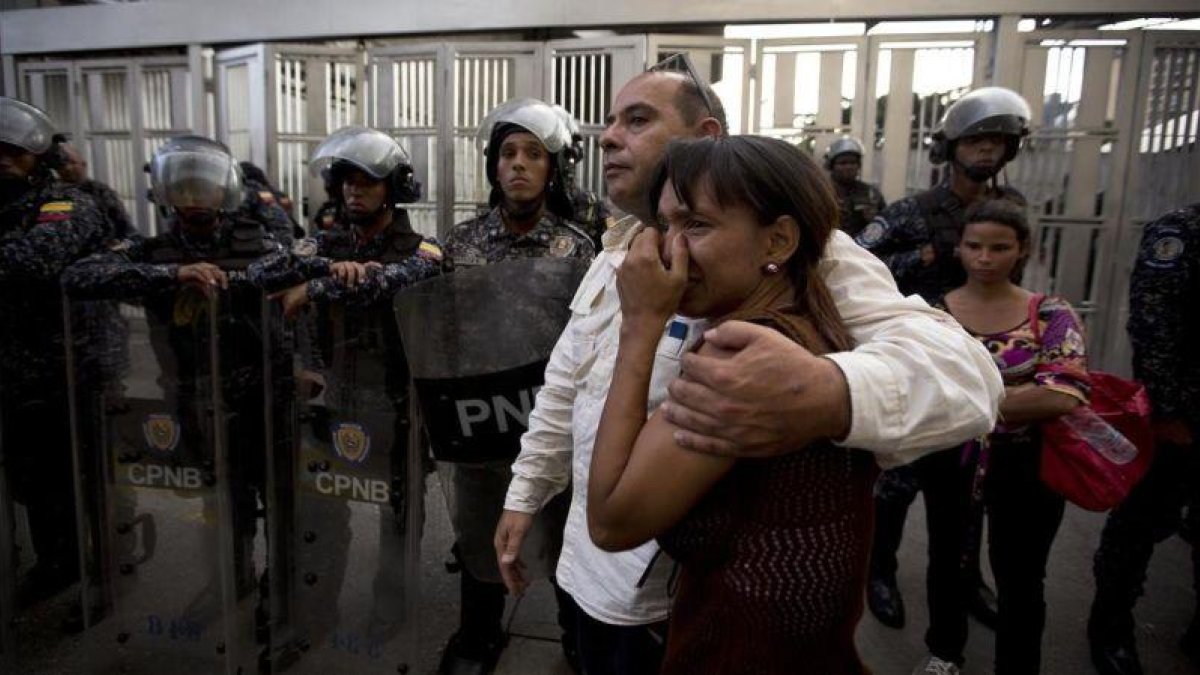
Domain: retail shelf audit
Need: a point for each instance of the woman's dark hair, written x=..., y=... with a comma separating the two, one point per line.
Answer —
x=771, y=178
x=1004, y=212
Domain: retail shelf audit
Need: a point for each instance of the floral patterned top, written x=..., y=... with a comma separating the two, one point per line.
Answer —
x=1058, y=363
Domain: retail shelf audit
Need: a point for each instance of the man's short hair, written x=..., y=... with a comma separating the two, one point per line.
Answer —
x=692, y=106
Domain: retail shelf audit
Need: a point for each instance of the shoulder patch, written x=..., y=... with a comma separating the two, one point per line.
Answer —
x=430, y=250
x=1168, y=249
x=304, y=248
x=871, y=234
x=562, y=246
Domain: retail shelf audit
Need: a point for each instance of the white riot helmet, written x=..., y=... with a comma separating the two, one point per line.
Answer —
x=548, y=126
x=25, y=126
x=195, y=172
x=373, y=152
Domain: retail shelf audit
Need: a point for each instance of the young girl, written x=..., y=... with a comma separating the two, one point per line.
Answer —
x=773, y=552
x=1045, y=376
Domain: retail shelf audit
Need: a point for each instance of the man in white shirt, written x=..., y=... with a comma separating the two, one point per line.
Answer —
x=916, y=382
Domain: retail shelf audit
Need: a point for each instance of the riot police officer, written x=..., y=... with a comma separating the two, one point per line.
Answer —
x=45, y=224
x=73, y=168
x=528, y=152
x=860, y=202
x=916, y=237
x=1166, y=279
x=529, y=155
x=206, y=324
x=359, y=454
x=273, y=203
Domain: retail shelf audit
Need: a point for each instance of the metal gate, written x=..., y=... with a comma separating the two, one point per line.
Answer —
x=856, y=80
x=1162, y=165
x=1080, y=87
x=277, y=102
x=118, y=111
x=432, y=99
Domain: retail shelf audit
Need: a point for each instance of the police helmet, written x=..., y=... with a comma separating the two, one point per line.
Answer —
x=548, y=126
x=575, y=149
x=989, y=110
x=842, y=146
x=372, y=152
x=195, y=172
x=25, y=126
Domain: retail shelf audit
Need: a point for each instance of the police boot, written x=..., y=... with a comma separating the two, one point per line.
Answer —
x=1111, y=640
x=475, y=647
x=884, y=600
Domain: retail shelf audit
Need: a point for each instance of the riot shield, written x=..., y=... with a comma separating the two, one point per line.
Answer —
x=40, y=555
x=348, y=511
x=477, y=342
x=172, y=441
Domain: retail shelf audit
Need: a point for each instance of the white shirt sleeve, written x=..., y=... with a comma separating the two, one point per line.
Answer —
x=543, y=468
x=918, y=382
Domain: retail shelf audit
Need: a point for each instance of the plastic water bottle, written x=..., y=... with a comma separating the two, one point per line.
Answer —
x=1100, y=435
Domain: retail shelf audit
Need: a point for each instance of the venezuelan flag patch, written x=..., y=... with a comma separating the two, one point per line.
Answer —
x=429, y=250
x=55, y=211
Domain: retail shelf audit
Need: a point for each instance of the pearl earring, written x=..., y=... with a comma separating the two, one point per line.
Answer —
x=771, y=268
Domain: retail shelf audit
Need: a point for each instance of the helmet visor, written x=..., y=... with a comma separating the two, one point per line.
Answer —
x=196, y=179
x=24, y=126
x=373, y=151
x=531, y=115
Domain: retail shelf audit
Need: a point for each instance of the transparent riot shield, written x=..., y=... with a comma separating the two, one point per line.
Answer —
x=171, y=443
x=40, y=555
x=477, y=342
x=348, y=511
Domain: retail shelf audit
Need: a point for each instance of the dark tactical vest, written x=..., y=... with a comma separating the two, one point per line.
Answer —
x=944, y=215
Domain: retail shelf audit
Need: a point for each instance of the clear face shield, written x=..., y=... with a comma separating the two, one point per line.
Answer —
x=373, y=151
x=530, y=114
x=24, y=126
x=193, y=178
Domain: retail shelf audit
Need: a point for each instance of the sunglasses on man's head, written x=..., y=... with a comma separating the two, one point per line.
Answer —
x=680, y=62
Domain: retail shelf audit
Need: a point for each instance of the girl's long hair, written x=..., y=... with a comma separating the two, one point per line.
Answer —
x=771, y=178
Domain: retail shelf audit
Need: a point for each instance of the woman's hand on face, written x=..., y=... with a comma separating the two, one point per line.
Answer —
x=650, y=291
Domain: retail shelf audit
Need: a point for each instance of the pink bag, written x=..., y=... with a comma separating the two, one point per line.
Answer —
x=1095, y=454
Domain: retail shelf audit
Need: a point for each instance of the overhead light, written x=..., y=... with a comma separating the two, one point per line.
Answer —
x=1137, y=24
x=593, y=33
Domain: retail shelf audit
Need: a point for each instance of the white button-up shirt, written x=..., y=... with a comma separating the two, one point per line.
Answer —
x=918, y=382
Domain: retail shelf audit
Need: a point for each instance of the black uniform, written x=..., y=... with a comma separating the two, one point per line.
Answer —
x=265, y=204
x=1166, y=280
x=933, y=217
x=41, y=232
x=859, y=203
